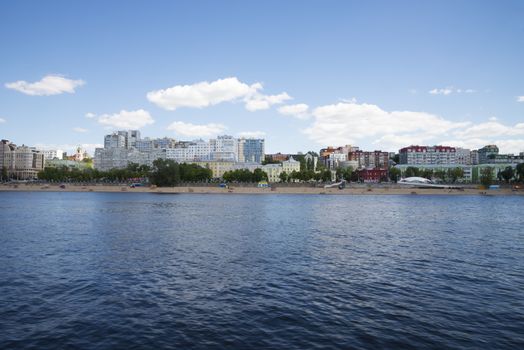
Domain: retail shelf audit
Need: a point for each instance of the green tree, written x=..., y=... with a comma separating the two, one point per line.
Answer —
x=486, y=176
x=326, y=175
x=520, y=171
x=166, y=172
x=259, y=175
x=283, y=176
x=507, y=174
x=394, y=174
x=411, y=171
x=427, y=173
x=4, y=176
x=455, y=173
x=440, y=174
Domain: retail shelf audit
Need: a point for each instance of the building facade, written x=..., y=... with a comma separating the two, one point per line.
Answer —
x=20, y=162
x=427, y=155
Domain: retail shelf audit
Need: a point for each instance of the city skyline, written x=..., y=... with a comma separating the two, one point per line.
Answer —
x=301, y=76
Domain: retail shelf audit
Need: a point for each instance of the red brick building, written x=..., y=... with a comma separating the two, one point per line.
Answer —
x=373, y=175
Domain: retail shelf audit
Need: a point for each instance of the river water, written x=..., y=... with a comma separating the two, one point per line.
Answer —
x=134, y=271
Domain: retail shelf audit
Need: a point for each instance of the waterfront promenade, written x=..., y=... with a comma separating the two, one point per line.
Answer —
x=350, y=190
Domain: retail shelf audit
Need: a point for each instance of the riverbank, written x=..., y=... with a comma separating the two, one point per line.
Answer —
x=356, y=190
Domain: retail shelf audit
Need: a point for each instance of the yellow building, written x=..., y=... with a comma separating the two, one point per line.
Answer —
x=217, y=167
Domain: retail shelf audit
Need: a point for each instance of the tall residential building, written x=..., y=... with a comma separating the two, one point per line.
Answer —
x=463, y=156
x=20, y=162
x=370, y=159
x=474, y=156
x=333, y=158
x=115, y=140
x=193, y=151
x=426, y=155
x=123, y=147
x=50, y=154
x=251, y=150
x=487, y=153
x=224, y=148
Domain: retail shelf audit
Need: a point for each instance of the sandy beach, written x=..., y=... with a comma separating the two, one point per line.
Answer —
x=355, y=190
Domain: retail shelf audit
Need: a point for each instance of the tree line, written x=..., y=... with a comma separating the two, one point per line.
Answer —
x=163, y=173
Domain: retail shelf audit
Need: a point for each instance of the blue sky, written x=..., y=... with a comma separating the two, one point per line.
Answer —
x=304, y=74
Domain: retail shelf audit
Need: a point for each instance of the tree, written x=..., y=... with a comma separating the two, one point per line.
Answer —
x=455, y=173
x=326, y=175
x=427, y=173
x=411, y=171
x=344, y=173
x=166, y=172
x=283, y=176
x=259, y=175
x=440, y=174
x=520, y=171
x=507, y=174
x=4, y=176
x=394, y=174
x=486, y=176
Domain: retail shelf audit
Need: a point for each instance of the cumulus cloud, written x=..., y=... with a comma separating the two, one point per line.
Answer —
x=512, y=146
x=194, y=130
x=299, y=111
x=260, y=101
x=202, y=94
x=79, y=129
x=127, y=119
x=2, y=120
x=351, y=123
x=450, y=90
x=90, y=115
x=205, y=94
x=490, y=129
x=520, y=98
x=252, y=134
x=49, y=85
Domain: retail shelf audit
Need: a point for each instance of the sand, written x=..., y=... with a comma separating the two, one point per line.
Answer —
x=351, y=190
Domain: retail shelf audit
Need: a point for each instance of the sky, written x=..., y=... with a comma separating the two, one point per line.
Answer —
x=304, y=75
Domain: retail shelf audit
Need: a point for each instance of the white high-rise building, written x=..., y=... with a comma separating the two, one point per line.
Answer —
x=50, y=154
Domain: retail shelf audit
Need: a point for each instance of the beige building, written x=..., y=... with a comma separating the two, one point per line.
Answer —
x=290, y=165
x=217, y=167
x=20, y=162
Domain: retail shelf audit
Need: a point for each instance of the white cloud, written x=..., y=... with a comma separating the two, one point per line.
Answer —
x=205, y=94
x=79, y=129
x=260, y=101
x=202, y=94
x=450, y=90
x=351, y=123
x=90, y=115
x=445, y=91
x=2, y=120
x=493, y=118
x=127, y=119
x=513, y=146
x=489, y=130
x=49, y=85
x=520, y=98
x=299, y=111
x=252, y=134
x=194, y=130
